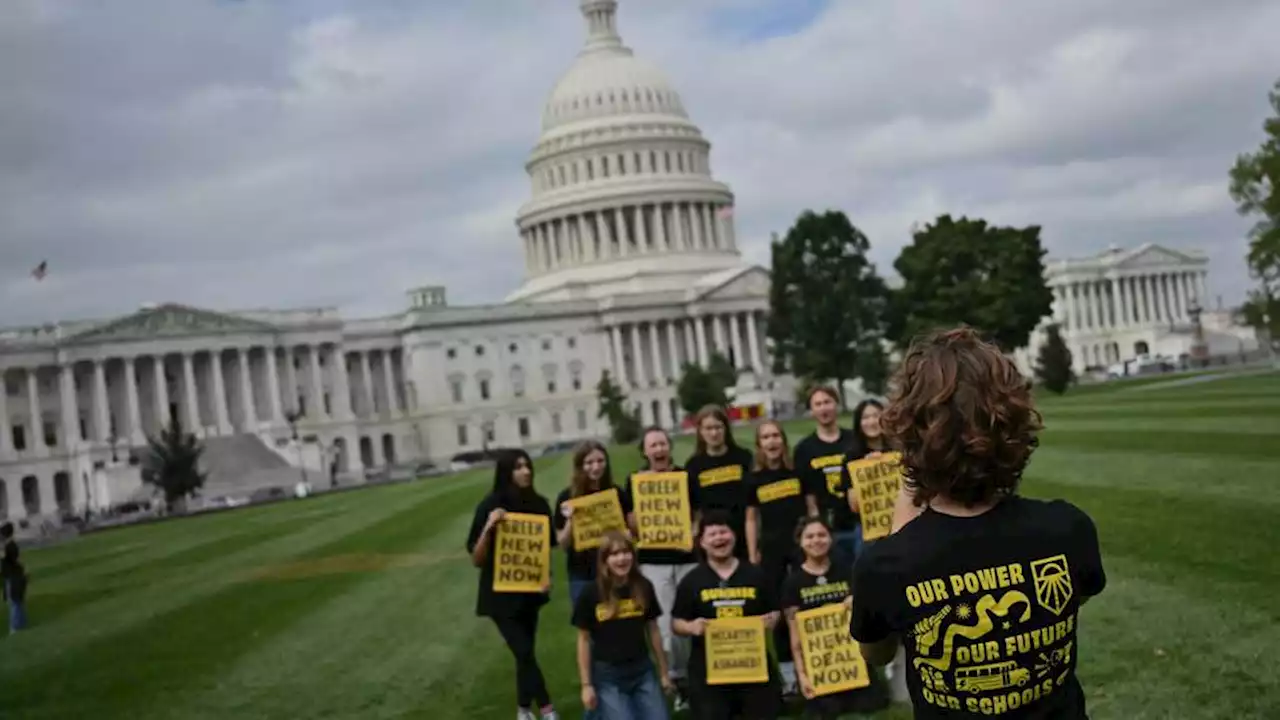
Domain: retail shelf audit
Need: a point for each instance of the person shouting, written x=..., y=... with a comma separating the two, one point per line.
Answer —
x=719, y=467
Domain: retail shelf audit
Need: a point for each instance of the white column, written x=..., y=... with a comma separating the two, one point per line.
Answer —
x=101, y=408
x=6, y=433
x=717, y=327
x=587, y=232
x=1122, y=300
x=221, y=415
x=1095, y=305
x=1202, y=288
x=317, y=386
x=604, y=236
x=249, y=413
x=672, y=355
x=695, y=227
x=619, y=361
x=690, y=342
x=637, y=357
x=366, y=377
x=624, y=237
x=67, y=401
x=273, y=385
x=528, y=256
x=389, y=377
x=342, y=383
x=655, y=352
x=35, y=421
x=161, y=392
x=660, y=228
x=678, y=228
x=1068, y=307
x=189, y=390
x=700, y=330
x=1140, y=295
x=753, y=343
x=735, y=342
x=136, y=435
x=642, y=232
x=1166, y=295
x=706, y=217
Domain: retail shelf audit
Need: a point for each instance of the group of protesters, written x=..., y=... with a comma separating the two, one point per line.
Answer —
x=776, y=533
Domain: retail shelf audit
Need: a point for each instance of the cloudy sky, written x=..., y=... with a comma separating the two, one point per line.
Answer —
x=252, y=153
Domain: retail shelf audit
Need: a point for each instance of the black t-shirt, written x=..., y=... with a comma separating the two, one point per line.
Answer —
x=489, y=603
x=986, y=606
x=581, y=564
x=803, y=590
x=821, y=465
x=623, y=637
x=703, y=594
x=780, y=497
x=662, y=557
x=722, y=482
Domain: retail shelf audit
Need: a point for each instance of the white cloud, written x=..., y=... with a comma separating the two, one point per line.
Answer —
x=255, y=154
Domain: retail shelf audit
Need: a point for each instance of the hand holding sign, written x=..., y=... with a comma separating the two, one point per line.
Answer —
x=876, y=481
x=736, y=651
x=663, y=511
x=591, y=516
x=832, y=661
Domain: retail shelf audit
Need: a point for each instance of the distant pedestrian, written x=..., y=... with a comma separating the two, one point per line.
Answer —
x=15, y=580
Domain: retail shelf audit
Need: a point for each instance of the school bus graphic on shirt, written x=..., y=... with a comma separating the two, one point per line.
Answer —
x=994, y=676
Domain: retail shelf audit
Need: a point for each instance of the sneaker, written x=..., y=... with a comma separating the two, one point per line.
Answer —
x=525, y=714
x=550, y=715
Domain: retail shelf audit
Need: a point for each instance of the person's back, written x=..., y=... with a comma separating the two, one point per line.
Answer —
x=983, y=588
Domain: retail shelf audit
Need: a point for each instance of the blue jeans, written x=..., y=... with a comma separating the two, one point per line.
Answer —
x=576, y=587
x=850, y=543
x=628, y=692
x=17, y=611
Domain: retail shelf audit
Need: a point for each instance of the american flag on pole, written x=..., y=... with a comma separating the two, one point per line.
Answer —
x=725, y=212
x=40, y=270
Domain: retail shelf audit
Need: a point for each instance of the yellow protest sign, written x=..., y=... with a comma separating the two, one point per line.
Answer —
x=593, y=516
x=832, y=661
x=522, y=563
x=877, y=481
x=736, y=651
x=662, y=510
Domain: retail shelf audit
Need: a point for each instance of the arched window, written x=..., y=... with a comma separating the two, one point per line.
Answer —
x=1141, y=348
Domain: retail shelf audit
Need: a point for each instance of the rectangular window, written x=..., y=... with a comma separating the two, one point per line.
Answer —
x=551, y=387
x=19, y=434
x=328, y=405
x=462, y=436
x=455, y=388
x=555, y=423
x=524, y=428
x=577, y=382
x=488, y=432
x=484, y=389
x=51, y=434
x=582, y=419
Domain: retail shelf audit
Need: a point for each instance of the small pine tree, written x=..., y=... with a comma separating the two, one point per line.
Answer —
x=623, y=425
x=698, y=388
x=1053, y=366
x=173, y=465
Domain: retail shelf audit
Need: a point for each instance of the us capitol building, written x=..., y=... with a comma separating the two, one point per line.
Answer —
x=631, y=267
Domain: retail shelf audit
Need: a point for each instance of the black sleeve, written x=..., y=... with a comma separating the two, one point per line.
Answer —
x=477, y=523
x=790, y=596
x=652, y=607
x=624, y=499
x=808, y=478
x=1088, y=556
x=869, y=621
x=752, y=483
x=584, y=611
x=768, y=594
x=550, y=525
x=685, y=606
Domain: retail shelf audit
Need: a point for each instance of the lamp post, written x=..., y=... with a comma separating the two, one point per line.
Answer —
x=1199, y=350
x=292, y=416
x=113, y=441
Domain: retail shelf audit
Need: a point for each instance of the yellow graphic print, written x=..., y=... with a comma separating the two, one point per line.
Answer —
x=720, y=475
x=1051, y=661
x=779, y=490
x=986, y=606
x=627, y=609
x=992, y=676
x=830, y=465
x=927, y=630
x=1053, y=583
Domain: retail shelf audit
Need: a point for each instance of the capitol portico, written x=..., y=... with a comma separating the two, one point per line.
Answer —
x=632, y=267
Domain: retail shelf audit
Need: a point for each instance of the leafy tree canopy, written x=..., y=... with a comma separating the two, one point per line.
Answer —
x=1255, y=187
x=624, y=425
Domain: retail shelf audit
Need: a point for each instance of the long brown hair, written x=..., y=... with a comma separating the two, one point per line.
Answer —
x=579, y=483
x=607, y=585
x=717, y=412
x=761, y=462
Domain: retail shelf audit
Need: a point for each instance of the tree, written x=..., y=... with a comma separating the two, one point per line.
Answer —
x=1262, y=313
x=827, y=303
x=624, y=426
x=173, y=464
x=699, y=386
x=1053, y=365
x=1255, y=186
x=967, y=272
x=873, y=368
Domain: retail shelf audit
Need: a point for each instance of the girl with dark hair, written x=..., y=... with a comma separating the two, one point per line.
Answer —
x=776, y=500
x=616, y=616
x=813, y=583
x=591, y=474
x=515, y=614
x=719, y=468
x=981, y=567
x=664, y=569
x=868, y=434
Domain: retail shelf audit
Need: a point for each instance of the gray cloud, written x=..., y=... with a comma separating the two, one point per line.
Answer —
x=258, y=154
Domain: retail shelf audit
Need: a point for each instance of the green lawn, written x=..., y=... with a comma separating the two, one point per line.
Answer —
x=359, y=605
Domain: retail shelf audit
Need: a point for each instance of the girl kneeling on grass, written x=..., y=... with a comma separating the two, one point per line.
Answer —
x=515, y=614
x=617, y=625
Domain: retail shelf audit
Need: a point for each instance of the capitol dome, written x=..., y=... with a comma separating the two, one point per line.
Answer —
x=621, y=181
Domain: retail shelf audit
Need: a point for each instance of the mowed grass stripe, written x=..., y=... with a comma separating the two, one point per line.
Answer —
x=1256, y=407
x=154, y=664
x=124, y=611
x=1208, y=427
x=386, y=631
x=1079, y=472
x=1167, y=442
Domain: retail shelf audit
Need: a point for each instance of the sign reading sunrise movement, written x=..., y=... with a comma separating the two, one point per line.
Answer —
x=662, y=510
x=593, y=516
x=877, y=481
x=736, y=651
x=832, y=660
x=523, y=561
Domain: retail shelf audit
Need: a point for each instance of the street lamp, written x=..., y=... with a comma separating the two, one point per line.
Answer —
x=292, y=416
x=1199, y=350
x=113, y=440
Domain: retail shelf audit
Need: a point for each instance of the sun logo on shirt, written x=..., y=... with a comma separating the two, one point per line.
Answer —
x=963, y=612
x=1052, y=576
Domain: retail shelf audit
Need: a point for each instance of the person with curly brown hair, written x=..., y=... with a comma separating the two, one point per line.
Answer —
x=984, y=587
